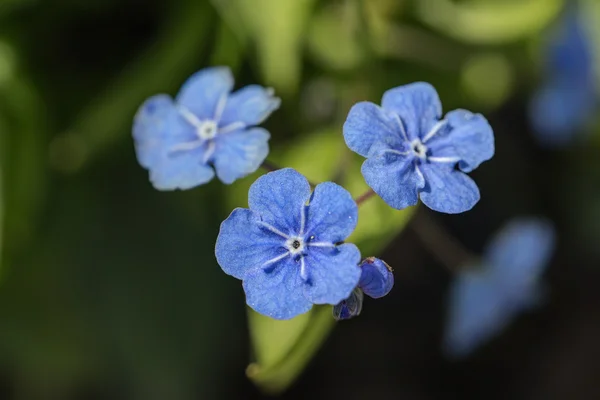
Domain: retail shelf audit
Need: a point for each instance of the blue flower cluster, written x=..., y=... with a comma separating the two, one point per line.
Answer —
x=288, y=246
x=567, y=98
x=484, y=298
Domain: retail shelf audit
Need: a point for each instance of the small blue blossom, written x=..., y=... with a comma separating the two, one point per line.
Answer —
x=206, y=128
x=350, y=307
x=484, y=300
x=376, y=281
x=376, y=278
x=567, y=99
x=411, y=153
x=288, y=248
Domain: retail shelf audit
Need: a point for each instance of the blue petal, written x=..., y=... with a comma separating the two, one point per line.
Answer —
x=448, y=190
x=393, y=178
x=368, y=126
x=332, y=214
x=250, y=105
x=279, y=198
x=467, y=136
x=376, y=279
x=519, y=253
x=277, y=293
x=238, y=154
x=350, y=307
x=183, y=170
x=478, y=310
x=332, y=273
x=418, y=106
x=560, y=110
x=150, y=127
x=244, y=245
x=203, y=90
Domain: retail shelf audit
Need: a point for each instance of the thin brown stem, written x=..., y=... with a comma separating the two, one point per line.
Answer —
x=269, y=166
x=443, y=245
x=364, y=197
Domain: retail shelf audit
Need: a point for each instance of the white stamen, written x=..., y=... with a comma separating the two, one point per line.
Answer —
x=207, y=130
x=232, y=127
x=401, y=125
x=187, y=146
x=419, y=149
x=295, y=245
x=434, y=130
x=275, y=259
x=400, y=153
x=189, y=117
x=320, y=244
x=303, y=271
x=210, y=150
x=273, y=229
x=220, y=107
x=444, y=159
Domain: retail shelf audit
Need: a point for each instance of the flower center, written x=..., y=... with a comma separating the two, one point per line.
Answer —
x=418, y=148
x=295, y=245
x=207, y=129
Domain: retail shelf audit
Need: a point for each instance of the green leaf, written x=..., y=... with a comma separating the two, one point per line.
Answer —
x=488, y=22
x=282, y=349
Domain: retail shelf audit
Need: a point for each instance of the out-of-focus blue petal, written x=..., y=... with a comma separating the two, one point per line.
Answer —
x=150, y=127
x=376, y=279
x=467, y=137
x=367, y=125
x=203, y=90
x=519, y=253
x=277, y=292
x=477, y=311
x=244, y=245
x=240, y=153
x=560, y=110
x=279, y=198
x=448, y=190
x=332, y=214
x=332, y=273
x=418, y=106
x=350, y=307
x=394, y=178
x=251, y=105
x=181, y=170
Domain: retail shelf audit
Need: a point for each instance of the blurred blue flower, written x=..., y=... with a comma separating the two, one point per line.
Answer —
x=350, y=307
x=288, y=248
x=411, y=152
x=180, y=141
x=567, y=99
x=376, y=281
x=484, y=299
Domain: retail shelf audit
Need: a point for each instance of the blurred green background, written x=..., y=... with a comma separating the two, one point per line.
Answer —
x=109, y=289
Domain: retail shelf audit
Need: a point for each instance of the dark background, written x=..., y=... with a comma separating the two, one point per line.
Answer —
x=109, y=289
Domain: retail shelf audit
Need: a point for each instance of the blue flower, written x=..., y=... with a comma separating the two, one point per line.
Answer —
x=288, y=248
x=567, y=99
x=350, y=307
x=182, y=142
x=376, y=281
x=411, y=153
x=484, y=299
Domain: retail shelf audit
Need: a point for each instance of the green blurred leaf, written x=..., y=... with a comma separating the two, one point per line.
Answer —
x=282, y=349
x=488, y=22
x=278, y=29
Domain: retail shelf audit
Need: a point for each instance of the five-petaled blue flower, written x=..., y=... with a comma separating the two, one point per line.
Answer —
x=567, y=99
x=376, y=281
x=180, y=141
x=411, y=152
x=287, y=247
x=483, y=300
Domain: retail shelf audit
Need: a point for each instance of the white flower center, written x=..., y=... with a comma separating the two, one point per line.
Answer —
x=295, y=245
x=207, y=129
x=418, y=148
